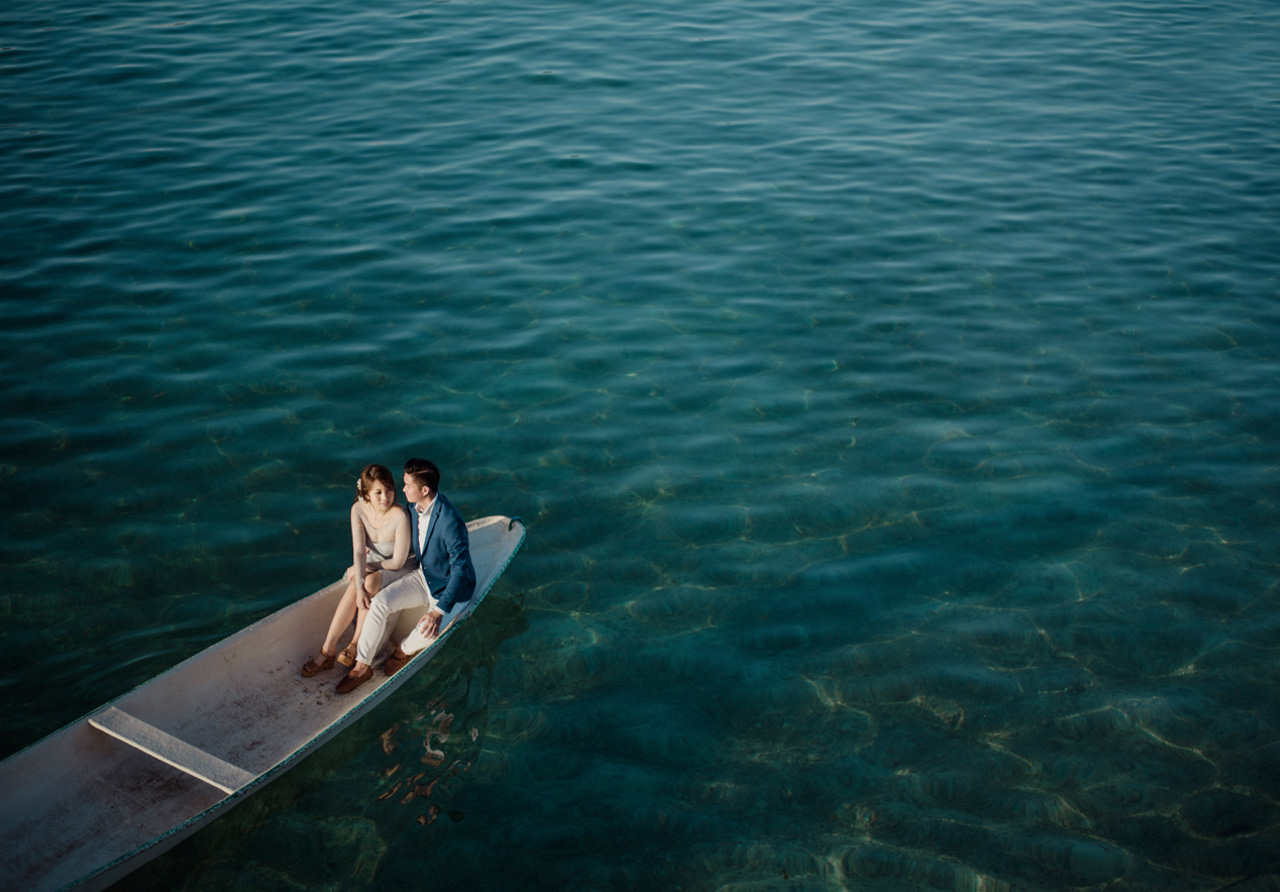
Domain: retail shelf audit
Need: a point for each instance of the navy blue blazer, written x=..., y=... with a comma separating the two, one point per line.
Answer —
x=446, y=565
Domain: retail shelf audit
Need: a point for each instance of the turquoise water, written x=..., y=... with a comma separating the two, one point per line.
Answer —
x=891, y=391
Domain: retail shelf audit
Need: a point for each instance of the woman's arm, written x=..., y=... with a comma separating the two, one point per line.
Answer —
x=401, y=553
x=358, y=548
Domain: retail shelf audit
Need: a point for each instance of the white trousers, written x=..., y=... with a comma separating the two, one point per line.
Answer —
x=416, y=641
x=406, y=593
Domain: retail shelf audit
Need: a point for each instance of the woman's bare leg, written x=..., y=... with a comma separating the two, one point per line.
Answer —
x=373, y=585
x=342, y=617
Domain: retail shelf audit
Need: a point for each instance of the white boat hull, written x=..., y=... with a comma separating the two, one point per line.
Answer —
x=85, y=806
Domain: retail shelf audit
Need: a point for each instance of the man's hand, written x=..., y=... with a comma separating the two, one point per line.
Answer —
x=429, y=625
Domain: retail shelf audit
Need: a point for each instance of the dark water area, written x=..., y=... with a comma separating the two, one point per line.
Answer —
x=890, y=392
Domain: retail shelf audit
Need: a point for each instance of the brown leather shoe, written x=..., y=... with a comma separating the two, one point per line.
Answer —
x=396, y=661
x=353, y=681
x=322, y=663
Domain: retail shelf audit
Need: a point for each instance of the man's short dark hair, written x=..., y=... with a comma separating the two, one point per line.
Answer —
x=424, y=472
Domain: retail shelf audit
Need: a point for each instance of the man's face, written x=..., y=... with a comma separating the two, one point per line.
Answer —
x=413, y=492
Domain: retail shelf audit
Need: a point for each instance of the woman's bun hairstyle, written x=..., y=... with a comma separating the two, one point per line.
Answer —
x=370, y=475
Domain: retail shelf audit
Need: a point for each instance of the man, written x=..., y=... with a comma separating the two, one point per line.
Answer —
x=443, y=583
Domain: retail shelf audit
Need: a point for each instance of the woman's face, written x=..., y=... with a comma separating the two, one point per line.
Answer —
x=379, y=496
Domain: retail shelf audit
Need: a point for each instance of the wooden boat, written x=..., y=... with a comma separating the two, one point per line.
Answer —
x=109, y=792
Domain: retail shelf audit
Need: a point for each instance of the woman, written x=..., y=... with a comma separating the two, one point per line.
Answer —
x=380, y=550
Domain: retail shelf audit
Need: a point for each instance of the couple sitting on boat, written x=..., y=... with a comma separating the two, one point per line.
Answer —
x=401, y=559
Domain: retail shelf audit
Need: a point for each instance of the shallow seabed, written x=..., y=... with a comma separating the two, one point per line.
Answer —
x=891, y=391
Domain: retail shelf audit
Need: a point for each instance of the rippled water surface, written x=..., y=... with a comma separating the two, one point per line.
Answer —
x=891, y=391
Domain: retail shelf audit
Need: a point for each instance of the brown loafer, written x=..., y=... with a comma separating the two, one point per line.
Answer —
x=396, y=661
x=311, y=667
x=353, y=681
